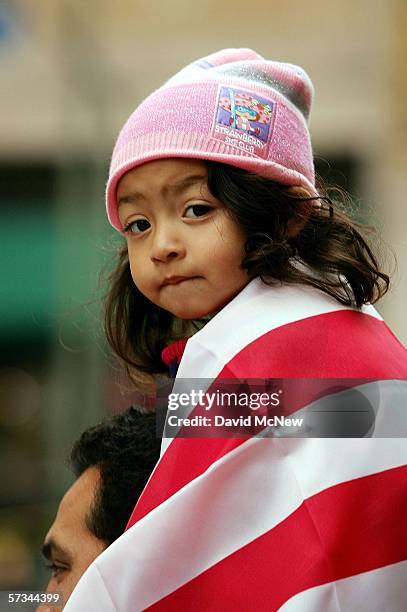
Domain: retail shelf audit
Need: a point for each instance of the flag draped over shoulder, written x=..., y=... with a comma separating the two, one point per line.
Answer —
x=295, y=524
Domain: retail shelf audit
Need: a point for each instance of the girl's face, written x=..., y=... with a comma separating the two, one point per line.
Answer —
x=184, y=249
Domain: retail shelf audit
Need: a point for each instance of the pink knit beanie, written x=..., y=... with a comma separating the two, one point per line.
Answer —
x=233, y=107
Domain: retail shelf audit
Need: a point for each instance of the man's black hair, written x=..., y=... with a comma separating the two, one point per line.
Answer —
x=125, y=449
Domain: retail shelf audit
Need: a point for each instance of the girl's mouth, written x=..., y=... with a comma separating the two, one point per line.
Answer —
x=175, y=280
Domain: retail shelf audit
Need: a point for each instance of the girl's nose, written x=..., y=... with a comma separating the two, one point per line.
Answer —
x=166, y=246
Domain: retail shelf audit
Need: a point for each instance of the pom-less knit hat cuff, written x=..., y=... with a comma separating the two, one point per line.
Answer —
x=232, y=107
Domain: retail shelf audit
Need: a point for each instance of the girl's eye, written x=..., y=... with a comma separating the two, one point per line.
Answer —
x=197, y=210
x=137, y=227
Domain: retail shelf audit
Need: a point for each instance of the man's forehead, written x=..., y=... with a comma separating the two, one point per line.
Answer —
x=81, y=493
x=73, y=510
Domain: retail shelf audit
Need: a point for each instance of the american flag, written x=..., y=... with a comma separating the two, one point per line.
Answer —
x=254, y=523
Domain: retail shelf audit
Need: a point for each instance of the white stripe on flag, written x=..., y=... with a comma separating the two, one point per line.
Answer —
x=92, y=595
x=212, y=516
x=381, y=590
x=385, y=398
x=256, y=310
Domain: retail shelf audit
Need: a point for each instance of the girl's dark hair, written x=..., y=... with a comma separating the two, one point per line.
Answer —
x=292, y=237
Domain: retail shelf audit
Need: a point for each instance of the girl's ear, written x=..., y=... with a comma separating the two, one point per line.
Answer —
x=303, y=209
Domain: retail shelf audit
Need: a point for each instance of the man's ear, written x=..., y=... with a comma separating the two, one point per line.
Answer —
x=304, y=208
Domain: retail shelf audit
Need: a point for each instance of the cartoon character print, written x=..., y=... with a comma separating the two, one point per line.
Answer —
x=244, y=112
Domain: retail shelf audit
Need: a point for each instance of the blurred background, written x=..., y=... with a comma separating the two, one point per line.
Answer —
x=71, y=73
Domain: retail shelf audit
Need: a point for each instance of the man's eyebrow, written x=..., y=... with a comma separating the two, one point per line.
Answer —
x=177, y=187
x=50, y=548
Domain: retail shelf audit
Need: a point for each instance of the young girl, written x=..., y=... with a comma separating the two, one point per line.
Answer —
x=236, y=268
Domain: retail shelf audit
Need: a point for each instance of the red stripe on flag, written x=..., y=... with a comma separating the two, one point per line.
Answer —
x=184, y=460
x=341, y=344
x=353, y=527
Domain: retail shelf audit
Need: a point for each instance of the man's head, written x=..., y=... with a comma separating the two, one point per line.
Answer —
x=112, y=462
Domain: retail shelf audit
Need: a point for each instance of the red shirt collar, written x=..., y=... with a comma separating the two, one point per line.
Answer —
x=175, y=350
